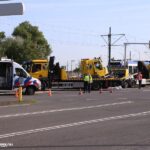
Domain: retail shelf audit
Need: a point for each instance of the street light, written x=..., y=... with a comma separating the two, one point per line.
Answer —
x=11, y=9
x=71, y=67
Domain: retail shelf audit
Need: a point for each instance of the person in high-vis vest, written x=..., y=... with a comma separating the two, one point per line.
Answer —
x=90, y=81
x=86, y=79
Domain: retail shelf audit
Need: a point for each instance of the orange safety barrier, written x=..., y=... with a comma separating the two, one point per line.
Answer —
x=80, y=92
x=16, y=94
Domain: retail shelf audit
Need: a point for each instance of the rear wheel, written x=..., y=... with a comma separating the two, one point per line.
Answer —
x=125, y=84
x=30, y=90
x=133, y=84
x=95, y=86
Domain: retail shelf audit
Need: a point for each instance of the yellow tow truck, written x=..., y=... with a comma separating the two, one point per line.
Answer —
x=52, y=75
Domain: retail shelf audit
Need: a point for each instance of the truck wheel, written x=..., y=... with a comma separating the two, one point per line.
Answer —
x=95, y=86
x=125, y=85
x=30, y=90
x=133, y=84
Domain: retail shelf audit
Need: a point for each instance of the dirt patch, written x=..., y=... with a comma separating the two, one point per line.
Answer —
x=6, y=103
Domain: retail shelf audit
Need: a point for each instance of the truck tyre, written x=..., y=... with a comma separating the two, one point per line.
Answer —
x=133, y=84
x=125, y=84
x=30, y=90
x=95, y=86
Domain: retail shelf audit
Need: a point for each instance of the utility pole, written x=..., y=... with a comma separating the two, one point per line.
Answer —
x=109, y=46
x=110, y=43
x=133, y=43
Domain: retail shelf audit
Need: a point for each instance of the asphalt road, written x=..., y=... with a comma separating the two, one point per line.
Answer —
x=69, y=121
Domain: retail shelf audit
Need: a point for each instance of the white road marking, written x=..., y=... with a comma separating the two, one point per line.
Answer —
x=148, y=90
x=70, y=95
x=73, y=124
x=14, y=105
x=122, y=98
x=61, y=110
x=91, y=99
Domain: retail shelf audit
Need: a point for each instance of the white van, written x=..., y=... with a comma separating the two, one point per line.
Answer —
x=12, y=75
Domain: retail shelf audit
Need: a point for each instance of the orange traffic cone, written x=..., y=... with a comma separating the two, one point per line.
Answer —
x=80, y=92
x=49, y=92
x=17, y=94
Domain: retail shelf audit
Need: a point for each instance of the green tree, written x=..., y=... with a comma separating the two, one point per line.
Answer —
x=2, y=35
x=13, y=48
x=2, y=38
x=27, y=43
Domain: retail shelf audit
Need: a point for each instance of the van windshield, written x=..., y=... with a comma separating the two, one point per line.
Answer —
x=21, y=73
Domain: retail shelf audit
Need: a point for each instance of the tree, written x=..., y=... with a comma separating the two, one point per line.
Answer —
x=2, y=35
x=27, y=43
x=14, y=49
x=2, y=38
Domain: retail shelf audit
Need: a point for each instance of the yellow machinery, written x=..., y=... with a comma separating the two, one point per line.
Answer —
x=51, y=74
x=94, y=67
x=40, y=68
x=63, y=74
x=37, y=68
x=121, y=73
x=43, y=69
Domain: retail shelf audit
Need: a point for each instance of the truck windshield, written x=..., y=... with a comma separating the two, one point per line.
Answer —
x=36, y=67
x=98, y=65
x=119, y=73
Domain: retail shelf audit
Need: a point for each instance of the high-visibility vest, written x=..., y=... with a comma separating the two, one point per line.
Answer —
x=86, y=78
x=90, y=79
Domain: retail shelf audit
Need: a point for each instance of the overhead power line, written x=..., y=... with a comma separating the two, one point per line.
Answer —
x=110, y=43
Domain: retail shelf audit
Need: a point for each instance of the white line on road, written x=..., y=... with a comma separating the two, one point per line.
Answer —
x=61, y=110
x=148, y=90
x=70, y=95
x=122, y=98
x=91, y=99
x=73, y=124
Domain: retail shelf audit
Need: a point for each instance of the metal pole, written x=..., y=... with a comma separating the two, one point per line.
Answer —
x=125, y=48
x=109, y=46
x=20, y=94
x=125, y=51
x=67, y=66
x=71, y=68
x=110, y=43
x=130, y=56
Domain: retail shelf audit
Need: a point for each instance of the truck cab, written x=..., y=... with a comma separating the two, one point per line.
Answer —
x=37, y=68
x=94, y=67
x=12, y=75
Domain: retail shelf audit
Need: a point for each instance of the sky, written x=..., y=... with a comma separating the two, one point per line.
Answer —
x=73, y=28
